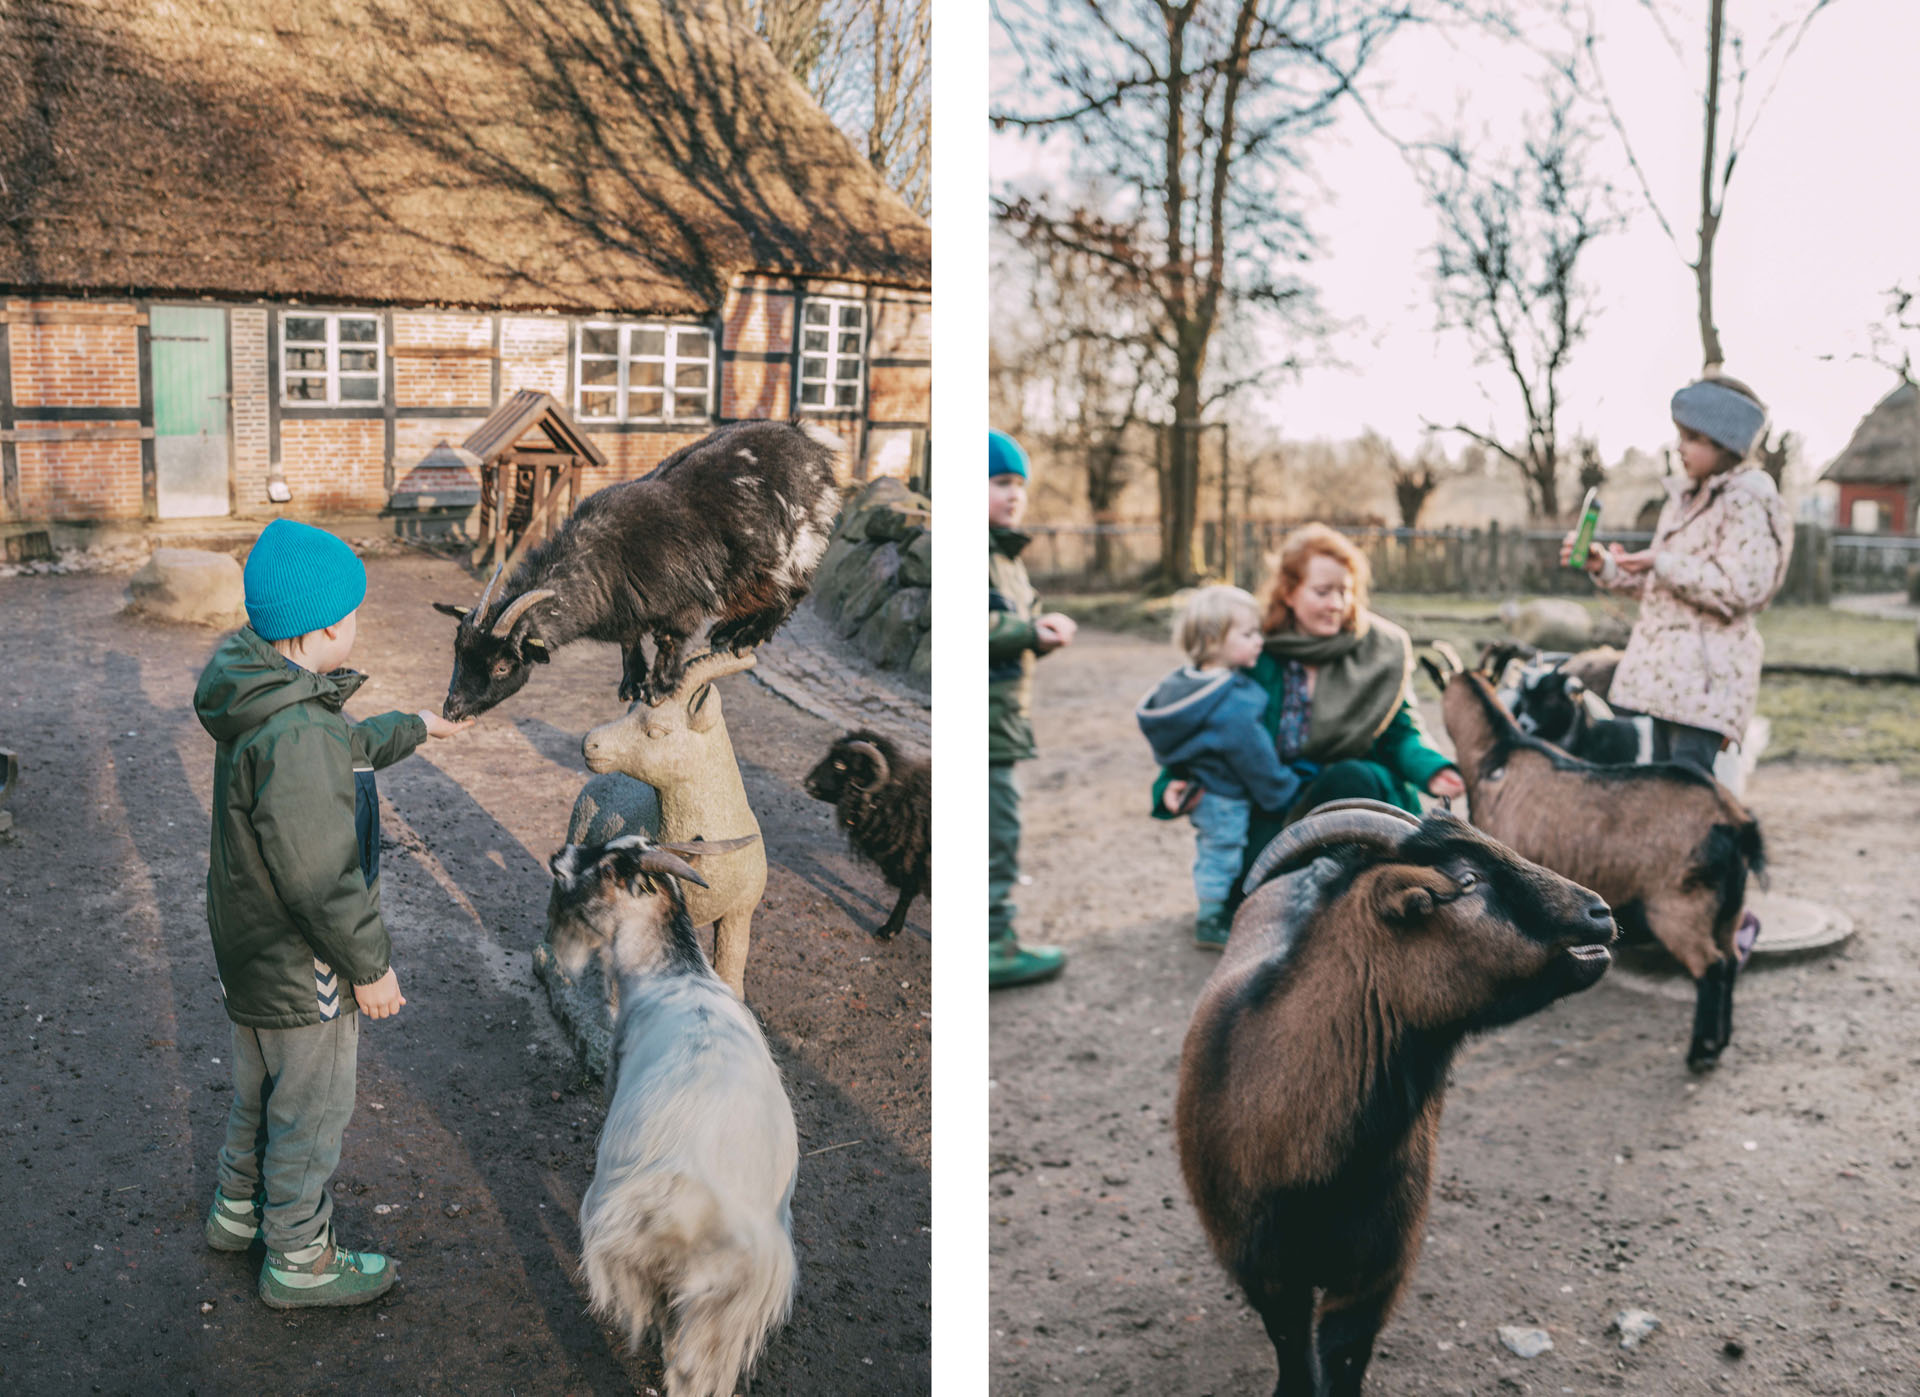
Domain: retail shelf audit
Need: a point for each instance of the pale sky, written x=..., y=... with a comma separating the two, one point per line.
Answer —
x=1824, y=215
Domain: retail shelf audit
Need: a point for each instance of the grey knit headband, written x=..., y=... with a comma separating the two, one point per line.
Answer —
x=1720, y=414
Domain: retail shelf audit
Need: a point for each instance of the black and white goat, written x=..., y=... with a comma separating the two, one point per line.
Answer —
x=1371, y=944
x=688, y=1222
x=884, y=801
x=727, y=530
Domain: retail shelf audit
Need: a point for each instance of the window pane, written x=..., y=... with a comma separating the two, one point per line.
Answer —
x=812, y=366
x=644, y=404
x=359, y=390
x=306, y=327
x=649, y=342
x=358, y=330
x=847, y=395
x=604, y=340
x=593, y=371
x=847, y=369
x=850, y=315
x=359, y=360
x=689, y=404
x=692, y=344
x=307, y=390
x=813, y=394
x=815, y=340
x=307, y=359
x=818, y=313
x=597, y=403
x=689, y=375
x=850, y=343
x=646, y=374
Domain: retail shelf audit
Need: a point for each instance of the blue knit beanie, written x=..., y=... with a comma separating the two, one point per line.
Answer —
x=1721, y=413
x=1005, y=457
x=300, y=579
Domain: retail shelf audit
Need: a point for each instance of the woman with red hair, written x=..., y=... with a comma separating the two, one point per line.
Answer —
x=1339, y=694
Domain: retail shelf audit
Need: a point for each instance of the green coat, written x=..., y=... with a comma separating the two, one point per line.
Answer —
x=293, y=891
x=1012, y=645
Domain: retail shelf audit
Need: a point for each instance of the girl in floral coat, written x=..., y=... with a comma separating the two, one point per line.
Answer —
x=1719, y=553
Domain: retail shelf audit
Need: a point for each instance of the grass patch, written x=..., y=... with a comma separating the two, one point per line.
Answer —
x=1825, y=720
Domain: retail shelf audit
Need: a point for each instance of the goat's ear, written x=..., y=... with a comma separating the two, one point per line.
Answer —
x=534, y=650
x=1401, y=900
x=447, y=608
x=1434, y=673
x=703, y=708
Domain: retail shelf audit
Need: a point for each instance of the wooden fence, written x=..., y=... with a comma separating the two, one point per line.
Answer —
x=1493, y=561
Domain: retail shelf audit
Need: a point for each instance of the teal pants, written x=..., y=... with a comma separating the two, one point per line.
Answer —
x=292, y=1099
x=1003, y=850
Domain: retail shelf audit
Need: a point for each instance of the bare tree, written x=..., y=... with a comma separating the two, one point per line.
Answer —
x=868, y=64
x=1204, y=107
x=1750, y=80
x=1593, y=470
x=1414, y=480
x=1512, y=232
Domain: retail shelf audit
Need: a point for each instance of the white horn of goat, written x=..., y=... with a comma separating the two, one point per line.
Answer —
x=695, y=847
x=874, y=755
x=658, y=860
x=518, y=608
x=1371, y=824
x=480, y=610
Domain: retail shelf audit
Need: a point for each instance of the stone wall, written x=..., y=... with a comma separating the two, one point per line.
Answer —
x=875, y=582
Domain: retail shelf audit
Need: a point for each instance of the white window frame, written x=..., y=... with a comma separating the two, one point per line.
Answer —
x=833, y=356
x=670, y=359
x=333, y=373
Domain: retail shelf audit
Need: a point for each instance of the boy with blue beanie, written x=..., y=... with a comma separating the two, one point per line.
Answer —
x=1017, y=633
x=1206, y=720
x=293, y=903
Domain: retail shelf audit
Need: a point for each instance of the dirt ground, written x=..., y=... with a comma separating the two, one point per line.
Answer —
x=1769, y=1211
x=474, y=1136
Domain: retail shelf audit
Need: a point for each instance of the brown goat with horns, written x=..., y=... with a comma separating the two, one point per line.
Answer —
x=1312, y=1077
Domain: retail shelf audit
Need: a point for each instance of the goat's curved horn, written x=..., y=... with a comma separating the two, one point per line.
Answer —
x=1372, y=824
x=693, y=848
x=480, y=609
x=658, y=860
x=707, y=666
x=874, y=755
x=1450, y=655
x=518, y=608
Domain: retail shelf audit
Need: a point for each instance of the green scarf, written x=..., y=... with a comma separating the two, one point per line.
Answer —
x=1361, y=683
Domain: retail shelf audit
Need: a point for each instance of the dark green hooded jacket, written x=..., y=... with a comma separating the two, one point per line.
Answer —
x=293, y=892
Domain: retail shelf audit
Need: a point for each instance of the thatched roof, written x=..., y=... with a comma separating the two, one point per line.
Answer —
x=1885, y=448
x=564, y=154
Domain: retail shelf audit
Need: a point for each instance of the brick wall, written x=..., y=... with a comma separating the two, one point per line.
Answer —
x=252, y=388
x=75, y=364
x=334, y=464
x=902, y=330
x=79, y=480
x=533, y=354
x=631, y=454
x=899, y=394
x=756, y=322
x=441, y=360
x=755, y=388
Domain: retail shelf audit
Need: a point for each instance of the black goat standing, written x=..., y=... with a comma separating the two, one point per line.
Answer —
x=884, y=801
x=729, y=529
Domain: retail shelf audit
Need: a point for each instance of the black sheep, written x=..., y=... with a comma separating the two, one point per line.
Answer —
x=727, y=530
x=884, y=801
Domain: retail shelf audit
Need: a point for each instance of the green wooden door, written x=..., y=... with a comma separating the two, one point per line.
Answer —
x=188, y=345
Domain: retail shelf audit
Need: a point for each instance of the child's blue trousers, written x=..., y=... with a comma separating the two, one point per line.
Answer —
x=1219, y=845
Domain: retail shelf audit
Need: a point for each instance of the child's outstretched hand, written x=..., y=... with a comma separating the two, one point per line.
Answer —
x=1054, y=630
x=440, y=727
x=381, y=999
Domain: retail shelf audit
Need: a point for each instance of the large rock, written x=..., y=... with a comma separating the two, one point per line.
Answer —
x=898, y=520
x=921, y=665
x=890, y=635
x=1549, y=623
x=858, y=512
x=843, y=566
x=189, y=585
x=877, y=582
x=916, y=564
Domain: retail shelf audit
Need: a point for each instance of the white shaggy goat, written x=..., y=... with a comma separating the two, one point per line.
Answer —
x=688, y=1222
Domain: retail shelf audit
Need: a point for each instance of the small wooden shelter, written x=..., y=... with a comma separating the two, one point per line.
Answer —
x=529, y=455
x=1878, y=474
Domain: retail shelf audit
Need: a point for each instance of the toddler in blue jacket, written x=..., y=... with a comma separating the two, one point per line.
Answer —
x=1206, y=720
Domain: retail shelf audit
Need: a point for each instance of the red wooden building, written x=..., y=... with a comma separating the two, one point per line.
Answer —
x=1879, y=471
x=261, y=259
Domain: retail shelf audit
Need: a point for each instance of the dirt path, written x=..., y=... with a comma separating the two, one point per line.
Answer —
x=1582, y=1171
x=474, y=1136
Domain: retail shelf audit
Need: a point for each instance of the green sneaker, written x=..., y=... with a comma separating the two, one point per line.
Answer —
x=323, y=1275
x=1210, y=928
x=1010, y=963
x=233, y=1224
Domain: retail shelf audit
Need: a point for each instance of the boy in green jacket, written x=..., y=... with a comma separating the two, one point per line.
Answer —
x=293, y=903
x=1016, y=633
